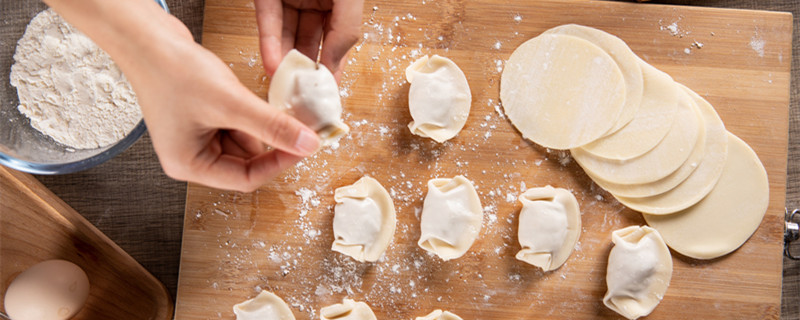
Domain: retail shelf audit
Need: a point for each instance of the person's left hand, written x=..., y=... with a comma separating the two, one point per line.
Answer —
x=302, y=24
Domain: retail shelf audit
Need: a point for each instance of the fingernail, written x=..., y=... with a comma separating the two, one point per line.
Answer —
x=307, y=142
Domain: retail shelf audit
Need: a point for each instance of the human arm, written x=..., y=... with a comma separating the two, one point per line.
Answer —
x=205, y=125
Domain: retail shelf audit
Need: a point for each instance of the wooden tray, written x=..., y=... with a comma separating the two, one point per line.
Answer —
x=279, y=237
x=35, y=225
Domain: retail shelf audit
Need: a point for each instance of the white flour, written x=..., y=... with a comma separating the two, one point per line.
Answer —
x=69, y=88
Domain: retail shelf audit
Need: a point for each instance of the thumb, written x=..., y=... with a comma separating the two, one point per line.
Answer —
x=272, y=126
x=342, y=29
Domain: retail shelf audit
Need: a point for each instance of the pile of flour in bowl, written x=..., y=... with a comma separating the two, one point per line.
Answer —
x=69, y=88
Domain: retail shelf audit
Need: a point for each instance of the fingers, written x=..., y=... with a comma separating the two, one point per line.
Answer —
x=282, y=28
x=269, y=165
x=289, y=29
x=229, y=146
x=309, y=33
x=234, y=173
x=240, y=144
x=339, y=73
x=269, y=15
x=247, y=142
x=341, y=32
x=256, y=118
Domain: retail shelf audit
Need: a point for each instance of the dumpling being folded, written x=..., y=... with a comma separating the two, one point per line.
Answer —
x=549, y=226
x=309, y=92
x=639, y=271
x=451, y=217
x=440, y=315
x=265, y=306
x=439, y=98
x=364, y=220
x=347, y=310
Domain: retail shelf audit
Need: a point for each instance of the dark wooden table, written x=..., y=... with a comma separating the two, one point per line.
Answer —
x=135, y=204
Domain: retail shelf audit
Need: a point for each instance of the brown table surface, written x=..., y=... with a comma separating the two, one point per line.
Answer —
x=131, y=200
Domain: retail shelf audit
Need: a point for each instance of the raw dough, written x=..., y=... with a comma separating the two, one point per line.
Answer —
x=727, y=216
x=561, y=91
x=440, y=315
x=700, y=182
x=659, y=186
x=265, y=306
x=651, y=123
x=626, y=60
x=639, y=271
x=549, y=226
x=451, y=217
x=49, y=290
x=70, y=88
x=309, y=92
x=439, y=98
x=347, y=310
x=657, y=163
x=364, y=220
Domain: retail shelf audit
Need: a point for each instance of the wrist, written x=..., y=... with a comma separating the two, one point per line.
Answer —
x=126, y=30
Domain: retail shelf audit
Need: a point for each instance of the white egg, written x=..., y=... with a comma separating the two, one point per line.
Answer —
x=49, y=290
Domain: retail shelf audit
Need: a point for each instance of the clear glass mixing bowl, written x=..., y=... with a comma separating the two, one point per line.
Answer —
x=21, y=146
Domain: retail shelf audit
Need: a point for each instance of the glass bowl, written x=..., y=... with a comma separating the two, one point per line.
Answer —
x=21, y=146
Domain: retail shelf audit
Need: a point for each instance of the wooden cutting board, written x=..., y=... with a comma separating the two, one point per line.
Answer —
x=279, y=237
x=35, y=226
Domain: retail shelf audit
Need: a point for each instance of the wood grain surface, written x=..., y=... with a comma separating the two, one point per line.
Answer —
x=279, y=237
x=35, y=225
x=128, y=198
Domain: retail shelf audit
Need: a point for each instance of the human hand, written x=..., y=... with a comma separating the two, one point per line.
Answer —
x=287, y=24
x=205, y=125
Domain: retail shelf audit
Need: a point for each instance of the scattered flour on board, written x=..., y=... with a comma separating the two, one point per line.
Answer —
x=757, y=43
x=69, y=88
x=673, y=28
x=299, y=265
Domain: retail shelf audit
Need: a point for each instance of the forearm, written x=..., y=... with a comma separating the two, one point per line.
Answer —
x=126, y=29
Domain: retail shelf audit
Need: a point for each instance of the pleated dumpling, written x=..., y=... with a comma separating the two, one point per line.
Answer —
x=364, y=220
x=639, y=271
x=451, y=217
x=549, y=226
x=265, y=306
x=439, y=98
x=347, y=310
x=309, y=92
x=440, y=315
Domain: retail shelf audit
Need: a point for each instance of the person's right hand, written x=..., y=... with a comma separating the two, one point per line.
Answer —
x=205, y=125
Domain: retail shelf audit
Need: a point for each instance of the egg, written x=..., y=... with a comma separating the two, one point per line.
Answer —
x=49, y=290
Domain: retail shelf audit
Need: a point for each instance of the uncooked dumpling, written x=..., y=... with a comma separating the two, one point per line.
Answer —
x=440, y=315
x=364, y=220
x=347, y=310
x=639, y=271
x=549, y=226
x=451, y=217
x=561, y=91
x=265, y=306
x=309, y=92
x=723, y=220
x=439, y=98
